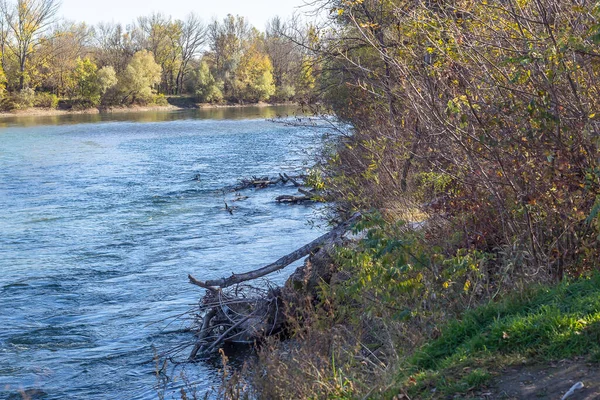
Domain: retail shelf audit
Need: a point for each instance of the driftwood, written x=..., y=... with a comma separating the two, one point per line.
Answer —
x=291, y=179
x=307, y=196
x=308, y=193
x=292, y=199
x=228, y=208
x=236, y=315
x=255, y=182
x=232, y=311
x=283, y=261
x=265, y=181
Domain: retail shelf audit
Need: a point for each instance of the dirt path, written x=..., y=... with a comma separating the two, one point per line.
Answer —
x=547, y=382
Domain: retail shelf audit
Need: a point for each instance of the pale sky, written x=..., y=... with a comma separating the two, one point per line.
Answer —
x=125, y=11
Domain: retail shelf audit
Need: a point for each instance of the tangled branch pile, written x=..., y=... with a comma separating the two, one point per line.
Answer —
x=265, y=181
x=240, y=314
x=232, y=311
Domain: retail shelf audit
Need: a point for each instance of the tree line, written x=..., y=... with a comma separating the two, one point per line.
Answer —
x=44, y=60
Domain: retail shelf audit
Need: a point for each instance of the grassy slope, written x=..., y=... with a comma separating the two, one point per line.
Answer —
x=545, y=323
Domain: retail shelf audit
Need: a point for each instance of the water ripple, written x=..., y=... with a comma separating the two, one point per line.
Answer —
x=101, y=224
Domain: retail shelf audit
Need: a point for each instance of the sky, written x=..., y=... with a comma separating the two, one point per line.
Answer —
x=126, y=11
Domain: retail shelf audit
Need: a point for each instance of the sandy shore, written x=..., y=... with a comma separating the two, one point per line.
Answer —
x=42, y=112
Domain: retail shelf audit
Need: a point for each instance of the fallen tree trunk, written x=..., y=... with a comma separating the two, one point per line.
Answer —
x=307, y=193
x=282, y=262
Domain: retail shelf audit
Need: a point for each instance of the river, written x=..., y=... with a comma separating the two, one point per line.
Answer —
x=102, y=221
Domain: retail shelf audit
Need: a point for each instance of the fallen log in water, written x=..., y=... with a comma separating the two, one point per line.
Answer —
x=255, y=182
x=292, y=199
x=265, y=181
x=294, y=181
x=236, y=312
x=307, y=196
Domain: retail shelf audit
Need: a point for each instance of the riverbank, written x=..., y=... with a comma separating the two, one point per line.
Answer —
x=540, y=342
x=369, y=322
x=47, y=112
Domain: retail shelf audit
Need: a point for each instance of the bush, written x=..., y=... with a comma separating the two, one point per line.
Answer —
x=19, y=100
x=160, y=100
x=210, y=94
x=45, y=100
x=83, y=104
x=24, y=99
x=285, y=92
x=507, y=137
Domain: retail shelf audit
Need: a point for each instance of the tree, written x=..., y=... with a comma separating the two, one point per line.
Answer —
x=208, y=90
x=305, y=80
x=228, y=40
x=286, y=57
x=57, y=56
x=160, y=35
x=192, y=37
x=115, y=45
x=27, y=21
x=254, y=75
x=2, y=83
x=139, y=78
x=91, y=83
x=107, y=78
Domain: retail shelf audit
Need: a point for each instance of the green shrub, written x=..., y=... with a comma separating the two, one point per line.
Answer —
x=45, y=100
x=24, y=98
x=160, y=100
x=83, y=104
x=285, y=92
x=18, y=100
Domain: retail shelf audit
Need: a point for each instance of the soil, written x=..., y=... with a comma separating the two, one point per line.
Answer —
x=547, y=382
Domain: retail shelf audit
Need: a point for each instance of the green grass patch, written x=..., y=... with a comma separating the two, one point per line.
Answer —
x=543, y=324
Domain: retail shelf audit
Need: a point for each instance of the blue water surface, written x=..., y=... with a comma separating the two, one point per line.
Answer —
x=102, y=221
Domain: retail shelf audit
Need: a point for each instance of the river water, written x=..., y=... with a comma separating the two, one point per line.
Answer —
x=102, y=221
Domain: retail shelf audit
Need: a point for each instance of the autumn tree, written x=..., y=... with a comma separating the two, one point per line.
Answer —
x=228, y=40
x=137, y=82
x=3, y=83
x=161, y=35
x=90, y=82
x=254, y=73
x=192, y=37
x=58, y=54
x=115, y=45
x=284, y=46
x=27, y=21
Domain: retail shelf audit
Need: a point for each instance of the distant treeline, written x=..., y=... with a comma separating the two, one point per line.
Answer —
x=44, y=60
